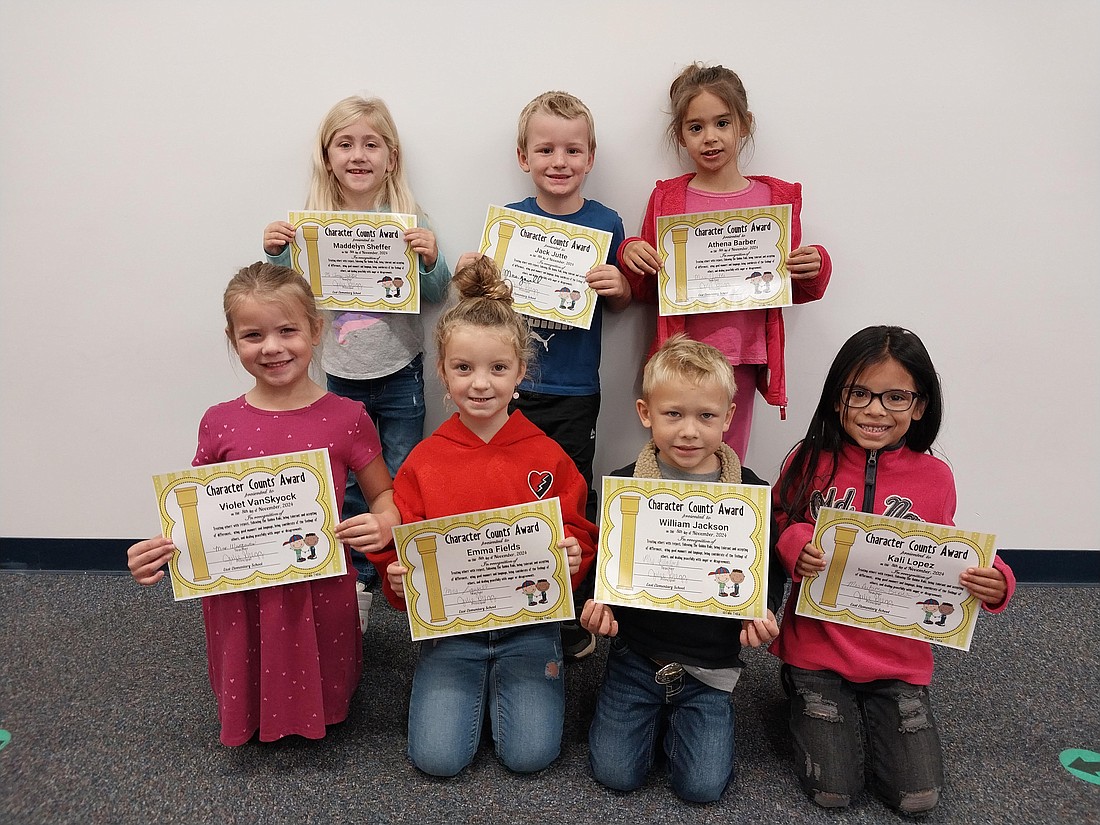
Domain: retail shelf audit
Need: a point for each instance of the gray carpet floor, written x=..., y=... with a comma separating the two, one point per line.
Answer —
x=104, y=693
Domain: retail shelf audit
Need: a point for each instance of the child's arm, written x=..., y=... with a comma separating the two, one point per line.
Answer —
x=467, y=258
x=757, y=632
x=598, y=619
x=810, y=562
x=277, y=235
x=373, y=531
x=609, y=283
x=147, y=558
x=422, y=241
x=395, y=578
x=992, y=586
x=810, y=266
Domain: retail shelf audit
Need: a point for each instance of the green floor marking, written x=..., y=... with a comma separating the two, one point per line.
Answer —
x=1082, y=764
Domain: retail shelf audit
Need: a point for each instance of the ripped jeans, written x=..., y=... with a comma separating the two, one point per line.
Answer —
x=514, y=674
x=845, y=731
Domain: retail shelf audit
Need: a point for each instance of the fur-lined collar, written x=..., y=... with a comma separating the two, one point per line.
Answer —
x=647, y=467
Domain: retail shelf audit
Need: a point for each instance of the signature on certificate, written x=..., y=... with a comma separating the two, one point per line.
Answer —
x=872, y=597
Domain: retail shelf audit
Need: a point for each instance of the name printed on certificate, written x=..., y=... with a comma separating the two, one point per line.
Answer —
x=683, y=547
x=485, y=570
x=546, y=262
x=724, y=261
x=896, y=576
x=244, y=525
x=357, y=261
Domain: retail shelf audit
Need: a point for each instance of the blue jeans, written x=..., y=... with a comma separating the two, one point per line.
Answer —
x=515, y=674
x=395, y=404
x=843, y=731
x=631, y=710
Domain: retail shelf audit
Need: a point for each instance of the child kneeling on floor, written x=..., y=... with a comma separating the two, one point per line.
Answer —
x=675, y=672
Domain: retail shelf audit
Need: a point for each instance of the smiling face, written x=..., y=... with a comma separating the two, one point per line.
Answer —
x=687, y=420
x=558, y=158
x=275, y=344
x=480, y=367
x=359, y=160
x=874, y=427
x=712, y=138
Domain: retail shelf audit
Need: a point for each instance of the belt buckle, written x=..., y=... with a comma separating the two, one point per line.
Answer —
x=669, y=673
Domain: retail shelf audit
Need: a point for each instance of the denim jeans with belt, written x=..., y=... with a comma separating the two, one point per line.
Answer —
x=395, y=403
x=845, y=731
x=631, y=711
x=514, y=674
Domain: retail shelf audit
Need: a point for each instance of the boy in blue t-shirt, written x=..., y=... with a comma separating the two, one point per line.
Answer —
x=556, y=145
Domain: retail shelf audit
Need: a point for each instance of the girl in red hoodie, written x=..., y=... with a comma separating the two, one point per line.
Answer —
x=482, y=458
x=859, y=699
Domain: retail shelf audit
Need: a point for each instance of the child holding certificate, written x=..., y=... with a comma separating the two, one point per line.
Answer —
x=485, y=458
x=678, y=668
x=372, y=357
x=860, y=699
x=285, y=659
x=556, y=146
x=712, y=123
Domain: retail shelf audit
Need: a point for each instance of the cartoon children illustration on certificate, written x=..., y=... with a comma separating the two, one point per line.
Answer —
x=296, y=542
x=529, y=590
x=311, y=541
x=542, y=585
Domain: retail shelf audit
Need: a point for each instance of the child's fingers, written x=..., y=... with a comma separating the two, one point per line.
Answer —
x=466, y=259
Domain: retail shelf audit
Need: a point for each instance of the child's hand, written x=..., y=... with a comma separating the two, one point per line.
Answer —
x=422, y=242
x=811, y=561
x=467, y=259
x=598, y=619
x=572, y=549
x=641, y=258
x=395, y=575
x=607, y=281
x=277, y=235
x=804, y=262
x=364, y=533
x=757, y=632
x=987, y=584
x=146, y=558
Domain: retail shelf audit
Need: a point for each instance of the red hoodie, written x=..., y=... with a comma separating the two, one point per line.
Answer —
x=669, y=198
x=453, y=471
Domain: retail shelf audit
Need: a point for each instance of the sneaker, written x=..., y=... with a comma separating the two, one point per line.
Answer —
x=365, y=597
x=576, y=642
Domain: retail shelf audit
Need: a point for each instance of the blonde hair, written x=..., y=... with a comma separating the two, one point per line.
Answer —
x=721, y=82
x=324, y=191
x=270, y=282
x=558, y=104
x=681, y=358
x=485, y=300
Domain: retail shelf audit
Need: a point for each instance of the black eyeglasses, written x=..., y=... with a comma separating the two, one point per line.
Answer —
x=858, y=397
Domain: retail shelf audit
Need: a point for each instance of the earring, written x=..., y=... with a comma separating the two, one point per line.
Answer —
x=446, y=396
x=515, y=395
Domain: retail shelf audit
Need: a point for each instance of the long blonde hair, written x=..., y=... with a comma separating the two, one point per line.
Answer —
x=324, y=192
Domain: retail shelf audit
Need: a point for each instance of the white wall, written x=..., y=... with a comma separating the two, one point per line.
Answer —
x=948, y=152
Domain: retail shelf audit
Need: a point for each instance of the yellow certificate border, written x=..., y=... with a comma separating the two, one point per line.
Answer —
x=311, y=271
x=757, y=498
x=499, y=215
x=315, y=462
x=430, y=534
x=676, y=254
x=984, y=544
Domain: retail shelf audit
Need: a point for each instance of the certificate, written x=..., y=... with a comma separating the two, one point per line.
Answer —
x=243, y=525
x=683, y=547
x=722, y=261
x=486, y=570
x=545, y=261
x=357, y=261
x=896, y=576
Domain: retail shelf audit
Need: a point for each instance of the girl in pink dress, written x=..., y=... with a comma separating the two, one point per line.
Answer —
x=286, y=659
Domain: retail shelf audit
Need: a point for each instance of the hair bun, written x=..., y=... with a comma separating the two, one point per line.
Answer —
x=481, y=279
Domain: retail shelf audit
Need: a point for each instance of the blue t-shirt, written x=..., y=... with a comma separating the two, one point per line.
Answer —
x=569, y=357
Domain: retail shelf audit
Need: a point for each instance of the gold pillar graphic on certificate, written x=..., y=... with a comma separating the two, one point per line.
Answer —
x=629, y=507
x=679, y=257
x=426, y=547
x=504, y=237
x=844, y=538
x=188, y=500
x=313, y=259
